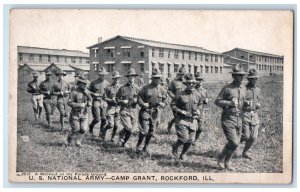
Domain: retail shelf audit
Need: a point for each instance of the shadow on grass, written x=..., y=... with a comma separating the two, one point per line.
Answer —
x=189, y=164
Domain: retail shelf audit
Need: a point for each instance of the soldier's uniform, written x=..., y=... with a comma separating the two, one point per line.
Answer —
x=175, y=88
x=99, y=106
x=113, y=109
x=80, y=100
x=204, y=95
x=128, y=92
x=140, y=80
x=36, y=96
x=151, y=99
x=61, y=89
x=250, y=115
x=231, y=118
x=187, y=113
x=46, y=88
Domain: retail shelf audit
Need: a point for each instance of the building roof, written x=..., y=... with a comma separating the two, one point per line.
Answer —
x=35, y=67
x=81, y=67
x=63, y=67
x=46, y=51
x=239, y=59
x=256, y=52
x=159, y=44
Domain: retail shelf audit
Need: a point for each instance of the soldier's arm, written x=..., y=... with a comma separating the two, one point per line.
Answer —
x=141, y=99
x=163, y=104
x=220, y=101
x=29, y=88
x=42, y=89
x=55, y=89
x=71, y=101
x=170, y=89
x=175, y=106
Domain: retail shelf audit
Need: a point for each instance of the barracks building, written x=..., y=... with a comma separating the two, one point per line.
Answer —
x=36, y=59
x=120, y=53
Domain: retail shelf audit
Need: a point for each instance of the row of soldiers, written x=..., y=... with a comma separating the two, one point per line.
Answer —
x=115, y=107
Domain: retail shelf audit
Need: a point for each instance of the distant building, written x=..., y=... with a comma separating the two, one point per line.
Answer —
x=38, y=59
x=266, y=63
x=120, y=53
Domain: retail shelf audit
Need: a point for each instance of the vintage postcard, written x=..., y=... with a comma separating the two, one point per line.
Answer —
x=151, y=96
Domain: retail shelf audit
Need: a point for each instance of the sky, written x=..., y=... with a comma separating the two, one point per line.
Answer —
x=75, y=29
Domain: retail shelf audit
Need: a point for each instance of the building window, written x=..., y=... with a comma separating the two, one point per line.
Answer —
x=195, y=69
x=73, y=60
x=126, y=52
x=190, y=68
x=20, y=56
x=87, y=61
x=242, y=57
x=109, y=53
x=127, y=66
x=190, y=55
x=110, y=67
x=95, y=67
x=176, y=68
x=216, y=69
x=57, y=59
x=195, y=56
x=66, y=59
x=216, y=58
x=40, y=58
x=96, y=53
x=142, y=54
x=153, y=52
x=206, y=69
x=176, y=54
x=259, y=67
x=161, y=52
x=221, y=58
x=206, y=57
x=153, y=65
x=161, y=68
x=169, y=68
x=169, y=53
x=31, y=57
x=142, y=67
x=211, y=69
x=80, y=60
x=201, y=69
x=49, y=58
x=221, y=69
x=182, y=54
x=212, y=58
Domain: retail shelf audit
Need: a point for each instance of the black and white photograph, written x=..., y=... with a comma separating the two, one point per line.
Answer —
x=151, y=96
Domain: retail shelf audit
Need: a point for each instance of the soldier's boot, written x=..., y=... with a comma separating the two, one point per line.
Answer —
x=147, y=142
x=48, y=118
x=248, y=145
x=91, y=127
x=186, y=147
x=40, y=111
x=62, y=123
x=139, y=143
x=121, y=136
x=113, y=134
x=221, y=158
x=170, y=124
x=228, y=158
x=35, y=111
x=78, y=140
x=198, y=132
x=104, y=131
x=126, y=138
x=102, y=126
x=175, y=147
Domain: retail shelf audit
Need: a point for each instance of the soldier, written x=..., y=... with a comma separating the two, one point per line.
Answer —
x=152, y=98
x=76, y=76
x=204, y=95
x=250, y=116
x=61, y=89
x=187, y=113
x=97, y=89
x=46, y=89
x=80, y=100
x=36, y=96
x=169, y=79
x=175, y=88
x=127, y=98
x=113, y=109
x=231, y=99
x=140, y=81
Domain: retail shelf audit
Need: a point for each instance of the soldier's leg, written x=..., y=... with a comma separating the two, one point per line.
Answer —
x=252, y=138
x=53, y=105
x=182, y=135
x=75, y=128
x=61, y=109
x=144, y=128
x=125, y=134
x=191, y=136
x=83, y=127
x=96, y=115
x=148, y=131
x=40, y=105
x=48, y=107
x=233, y=142
x=116, y=125
x=103, y=117
x=110, y=116
x=199, y=130
x=34, y=106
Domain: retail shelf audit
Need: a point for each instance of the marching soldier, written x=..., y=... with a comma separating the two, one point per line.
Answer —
x=97, y=89
x=36, y=96
x=231, y=99
x=187, y=113
x=250, y=116
x=113, y=109
x=204, y=95
x=169, y=79
x=175, y=88
x=61, y=89
x=46, y=89
x=152, y=98
x=80, y=100
x=127, y=98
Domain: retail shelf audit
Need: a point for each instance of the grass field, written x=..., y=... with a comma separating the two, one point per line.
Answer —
x=45, y=153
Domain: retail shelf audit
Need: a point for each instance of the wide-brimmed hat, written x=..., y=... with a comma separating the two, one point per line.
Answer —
x=115, y=75
x=131, y=72
x=181, y=70
x=252, y=74
x=61, y=72
x=82, y=79
x=238, y=70
x=48, y=73
x=199, y=76
x=34, y=74
x=102, y=71
x=156, y=73
x=190, y=78
x=78, y=74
